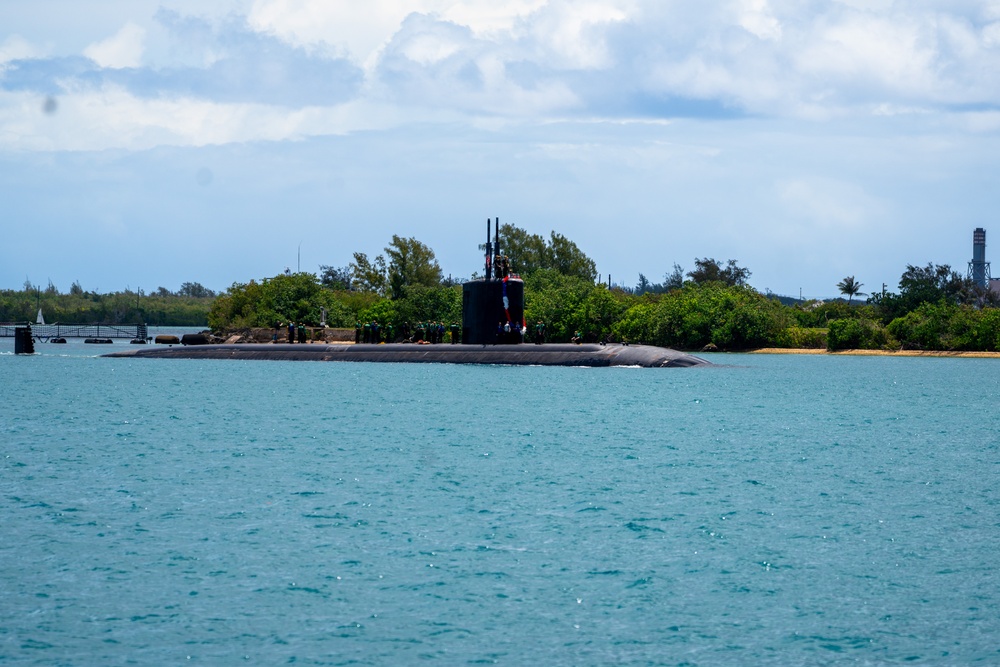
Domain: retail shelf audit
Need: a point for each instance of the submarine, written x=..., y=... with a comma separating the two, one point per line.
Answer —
x=493, y=328
x=550, y=354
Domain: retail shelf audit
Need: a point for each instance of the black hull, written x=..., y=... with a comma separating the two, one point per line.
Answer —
x=510, y=355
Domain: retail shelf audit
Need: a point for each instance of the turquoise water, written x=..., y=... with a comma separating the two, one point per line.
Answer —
x=776, y=510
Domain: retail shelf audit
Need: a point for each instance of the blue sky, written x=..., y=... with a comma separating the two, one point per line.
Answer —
x=146, y=144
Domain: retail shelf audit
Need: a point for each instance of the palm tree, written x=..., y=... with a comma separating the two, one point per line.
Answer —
x=850, y=287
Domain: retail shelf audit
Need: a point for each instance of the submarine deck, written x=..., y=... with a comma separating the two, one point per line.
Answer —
x=516, y=355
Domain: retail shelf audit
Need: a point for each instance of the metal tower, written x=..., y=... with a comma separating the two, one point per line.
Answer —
x=979, y=268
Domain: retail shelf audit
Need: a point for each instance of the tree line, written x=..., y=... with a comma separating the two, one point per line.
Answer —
x=712, y=306
x=188, y=306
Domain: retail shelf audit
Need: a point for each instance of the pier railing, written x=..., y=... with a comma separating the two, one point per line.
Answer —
x=47, y=331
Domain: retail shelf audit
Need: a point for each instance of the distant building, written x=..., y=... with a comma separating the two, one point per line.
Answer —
x=979, y=268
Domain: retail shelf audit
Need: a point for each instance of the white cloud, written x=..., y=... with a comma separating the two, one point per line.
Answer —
x=991, y=36
x=435, y=64
x=571, y=35
x=868, y=5
x=756, y=17
x=886, y=109
x=361, y=27
x=491, y=17
x=123, y=49
x=881, y=53
x=492, y=62
x=427, y=49
x=16, y=47
x=565, y=34
x=364, y=27
x=835, y=61
x=112, y=118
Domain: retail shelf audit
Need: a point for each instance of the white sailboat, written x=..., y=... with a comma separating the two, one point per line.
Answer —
x=40, y=319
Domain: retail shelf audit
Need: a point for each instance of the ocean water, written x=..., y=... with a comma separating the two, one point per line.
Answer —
x=772, y=510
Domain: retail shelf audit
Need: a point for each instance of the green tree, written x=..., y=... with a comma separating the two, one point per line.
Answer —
x=850, y=287
x=671, y=281
x=382, y=311
x=674, y=279
x=296, y=296
x=429, y=304
x=334, y=277
x=821, y=313
x=983, y=330
x=858, y=334
x=931, y=283
x=410, y=263
x=638, y=323
x=559, y=301
x=369, y=276
x=128, y=307
x=529, y=253
x=925, y=284
x=567, y=258
x=927, y=327
x=804, y=338
x=602, y=309
x=709, y=270
x=196, y=290
x=728, y=317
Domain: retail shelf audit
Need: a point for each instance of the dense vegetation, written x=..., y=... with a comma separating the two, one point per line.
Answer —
x=188, y=306
x=709, y=307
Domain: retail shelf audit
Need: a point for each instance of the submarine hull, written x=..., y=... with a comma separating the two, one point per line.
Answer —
x=513, y=355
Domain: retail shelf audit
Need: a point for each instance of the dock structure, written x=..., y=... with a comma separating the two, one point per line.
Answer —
x=44, y=332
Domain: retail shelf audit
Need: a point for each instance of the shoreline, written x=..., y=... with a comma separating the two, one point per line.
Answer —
x=878, y=353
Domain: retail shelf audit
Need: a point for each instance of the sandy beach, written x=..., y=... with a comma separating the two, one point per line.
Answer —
x=879, y=353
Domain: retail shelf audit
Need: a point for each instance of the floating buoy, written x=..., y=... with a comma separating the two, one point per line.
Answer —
x=58, y=341
x=97, y=341
x=165, y=339
x=138, y=341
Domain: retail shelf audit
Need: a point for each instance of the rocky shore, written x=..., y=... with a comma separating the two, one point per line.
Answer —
x=321, y=335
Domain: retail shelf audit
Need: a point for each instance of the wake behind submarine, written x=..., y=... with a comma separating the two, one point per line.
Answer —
x=493, y=327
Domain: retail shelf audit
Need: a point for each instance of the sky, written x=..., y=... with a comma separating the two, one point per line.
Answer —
x=150, y=143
